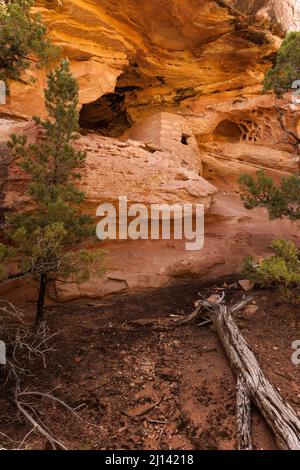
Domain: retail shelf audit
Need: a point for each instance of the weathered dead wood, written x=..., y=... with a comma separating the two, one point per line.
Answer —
x=195, y=314
x=278, y=414
x=243, y=415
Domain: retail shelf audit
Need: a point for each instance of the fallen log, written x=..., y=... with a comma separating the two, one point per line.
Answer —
x=243, y=415
x=252, y=383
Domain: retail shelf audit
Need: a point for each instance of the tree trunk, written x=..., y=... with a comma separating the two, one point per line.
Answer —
x=243, y=415
x=252, y=382
x=41, y=299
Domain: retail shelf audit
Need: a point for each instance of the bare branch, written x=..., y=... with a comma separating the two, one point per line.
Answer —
x=285, y=129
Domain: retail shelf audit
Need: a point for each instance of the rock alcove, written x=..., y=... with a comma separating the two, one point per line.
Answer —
x=238, y=131
x=228, y=131
x=107, y=115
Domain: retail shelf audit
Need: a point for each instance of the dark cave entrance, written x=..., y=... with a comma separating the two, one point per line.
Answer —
x=228, y=131
x=107, y=115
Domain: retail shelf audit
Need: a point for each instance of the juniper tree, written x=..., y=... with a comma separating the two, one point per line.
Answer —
x=23, y=39
x=47, y=236
x=280, y=78
x=287, y=66
x=281, y=200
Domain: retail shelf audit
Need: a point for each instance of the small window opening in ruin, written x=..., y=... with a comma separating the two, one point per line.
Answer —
x=184, y=139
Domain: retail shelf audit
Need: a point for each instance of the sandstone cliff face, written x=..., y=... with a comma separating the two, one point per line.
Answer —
x=156, y=53
x=172, y=111
x=280, y=15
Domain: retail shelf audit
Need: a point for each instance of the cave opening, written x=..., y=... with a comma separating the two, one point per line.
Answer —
x=184, y=139
x=228, y=131
x=107, y=115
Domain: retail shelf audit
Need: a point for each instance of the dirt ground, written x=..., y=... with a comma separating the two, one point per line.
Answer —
x=140, y=383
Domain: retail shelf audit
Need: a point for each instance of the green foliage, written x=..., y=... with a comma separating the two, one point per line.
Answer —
x=6, y=254
x=287, y=66
x=23, y=39
x=53, y=163
x=280, y=270
x=283, y=200
x=46, y=235
x=44, y=251
x=280, y=201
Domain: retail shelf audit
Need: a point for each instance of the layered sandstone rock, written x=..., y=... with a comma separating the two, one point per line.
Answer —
x=27, y=100
x=145, y=172
x=278, y=14
x=169, y=53
x=243, y=135
x=148, y=173
x=172, y=112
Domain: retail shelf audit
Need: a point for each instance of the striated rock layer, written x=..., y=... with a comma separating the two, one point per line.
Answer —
x=171, y=112
x=159, y=54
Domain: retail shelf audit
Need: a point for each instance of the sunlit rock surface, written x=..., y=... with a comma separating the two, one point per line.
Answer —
x=172, y=111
